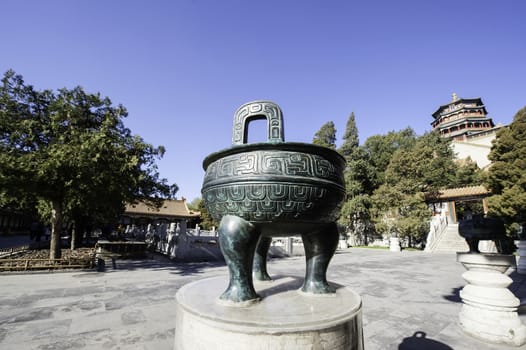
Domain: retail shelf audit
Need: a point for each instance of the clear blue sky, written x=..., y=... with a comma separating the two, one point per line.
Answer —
x=182, y=67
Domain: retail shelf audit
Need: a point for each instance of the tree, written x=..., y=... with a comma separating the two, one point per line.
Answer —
x=359, y=183
x=426, y=167
x=382, y=147
x=350, y=138
x=400, y=214
x=207, y=221
x=326, y=136
x=70, y=151
x=467, y=174
x=506, y=177
x=194, y=203
x=411, y=174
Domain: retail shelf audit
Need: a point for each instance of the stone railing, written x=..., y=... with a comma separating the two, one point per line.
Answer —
x=12, y=251
x=7, y=252
x=437, y=227
x=197, y=245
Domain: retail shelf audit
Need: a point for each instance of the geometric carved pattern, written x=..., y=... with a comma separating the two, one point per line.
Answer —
x=274, y=202
x=258, y=110
x=274, y=163
x=274, y=186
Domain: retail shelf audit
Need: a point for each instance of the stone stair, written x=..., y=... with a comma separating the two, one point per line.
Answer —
x=451, y=241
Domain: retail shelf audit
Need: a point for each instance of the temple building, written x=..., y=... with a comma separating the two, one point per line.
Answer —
x=170, y=211
x=466, y=123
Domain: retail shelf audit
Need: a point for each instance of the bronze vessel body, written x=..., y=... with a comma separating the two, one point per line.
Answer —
x=481, y=228
x=272, y=188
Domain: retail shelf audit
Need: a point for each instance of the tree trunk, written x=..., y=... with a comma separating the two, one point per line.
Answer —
x=74, y=238
x=73, y=242
x=56, y=230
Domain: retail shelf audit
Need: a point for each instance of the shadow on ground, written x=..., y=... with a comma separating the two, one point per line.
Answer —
x=160, y=262
x=518, y=286
x=454, y=296
x=419, y=341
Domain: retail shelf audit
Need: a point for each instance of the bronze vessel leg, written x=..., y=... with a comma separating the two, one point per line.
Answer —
x=259, y=268
x=319, y=246
x=238, y=239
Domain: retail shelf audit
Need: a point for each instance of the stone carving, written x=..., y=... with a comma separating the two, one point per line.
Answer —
x=269, y=189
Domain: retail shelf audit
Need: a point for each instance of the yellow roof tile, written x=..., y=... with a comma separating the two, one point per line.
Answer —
x=169, y=208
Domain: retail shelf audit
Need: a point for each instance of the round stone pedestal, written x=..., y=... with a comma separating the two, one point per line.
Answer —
x=489, y=309
x=285, y=318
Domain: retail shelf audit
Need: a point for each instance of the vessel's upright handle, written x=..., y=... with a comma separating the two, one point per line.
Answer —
x=258, y=110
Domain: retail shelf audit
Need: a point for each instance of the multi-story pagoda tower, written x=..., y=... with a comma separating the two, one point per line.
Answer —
x=462, y=118
x=465, y=122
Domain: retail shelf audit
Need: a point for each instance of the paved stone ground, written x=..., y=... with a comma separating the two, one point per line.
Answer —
x=410, y=301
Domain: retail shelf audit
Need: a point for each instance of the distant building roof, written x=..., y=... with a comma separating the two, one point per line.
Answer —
x=463, y=192
x=466, y=103
x=461, y=118
x=170, y=209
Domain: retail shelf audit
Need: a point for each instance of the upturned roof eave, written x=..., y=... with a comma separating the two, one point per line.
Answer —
x=477, y=99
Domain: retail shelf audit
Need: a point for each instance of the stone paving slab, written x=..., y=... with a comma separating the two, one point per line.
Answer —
x=410, y=301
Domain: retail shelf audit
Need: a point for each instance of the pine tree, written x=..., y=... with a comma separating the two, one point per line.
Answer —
x=326, y=136
x=359, y=184
x=350, y=138
x=507, y=175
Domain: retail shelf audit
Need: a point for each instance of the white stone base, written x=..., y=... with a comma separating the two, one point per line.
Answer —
x=494, y=326
x=394, y=244
x=489, y=309
x=285, y=318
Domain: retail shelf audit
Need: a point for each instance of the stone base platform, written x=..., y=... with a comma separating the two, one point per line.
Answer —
x=489, y=310
x=285, y=318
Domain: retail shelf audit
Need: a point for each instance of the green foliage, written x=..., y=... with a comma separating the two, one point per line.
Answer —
x=356, y=216
x=425, y=167
x=399, y=203
x=507, y=175
x=359, y=183
x=472, y=208
x=400, y=214
x=194, y=204
x=207, y=222
x=350, y=138
x=326, y=136
x=467, y=174
x=382, y=147
x=360, y=176
x=71, y=149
